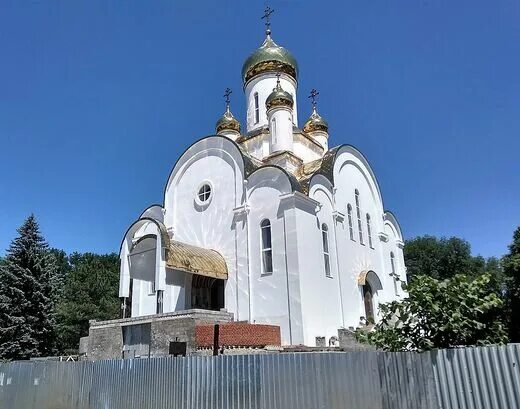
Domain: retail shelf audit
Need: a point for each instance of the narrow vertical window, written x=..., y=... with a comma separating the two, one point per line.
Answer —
x=369, y=232
x=257, y=109
x=159, y=309
x=350, y=224
x=267, y=250
x=392, y=265
x=273, y=129
x=326, y=256
x=358, y=213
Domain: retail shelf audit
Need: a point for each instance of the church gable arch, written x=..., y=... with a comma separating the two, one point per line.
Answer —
x=154, y=211
x=216, y=146
x=392, y=225
x=321, y=187
x=145, y=224
x=141, y=251
x=273, y=177
x=349, y=158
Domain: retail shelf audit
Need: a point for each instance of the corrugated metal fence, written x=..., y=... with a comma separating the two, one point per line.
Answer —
x=480, y=378
x=483, y=378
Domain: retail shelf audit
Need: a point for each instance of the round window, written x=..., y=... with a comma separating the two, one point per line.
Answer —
x=204, y=194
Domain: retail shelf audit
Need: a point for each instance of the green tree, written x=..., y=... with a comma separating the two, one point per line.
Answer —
x=27, y=294
x=63, y=268
x=511, y=266
x=90, y=292
x=440, y=314
x=442, y=258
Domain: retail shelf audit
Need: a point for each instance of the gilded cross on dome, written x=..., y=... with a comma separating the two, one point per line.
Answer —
x=267, y=15
x=227, y=93
x=313, y=96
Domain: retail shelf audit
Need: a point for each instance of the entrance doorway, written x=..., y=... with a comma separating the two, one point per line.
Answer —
x=368, y=298
x=207, y=293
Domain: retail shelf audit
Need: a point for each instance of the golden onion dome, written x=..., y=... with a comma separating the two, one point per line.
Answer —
x=269, y=57
x=315, y=123
x=279, y=97
x=227, y=122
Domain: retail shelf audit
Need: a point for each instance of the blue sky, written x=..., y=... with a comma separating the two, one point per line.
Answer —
x=98, y=99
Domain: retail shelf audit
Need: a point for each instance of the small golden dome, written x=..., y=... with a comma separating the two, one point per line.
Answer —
x=279, y=97
x=315, y=123
x=227, y=122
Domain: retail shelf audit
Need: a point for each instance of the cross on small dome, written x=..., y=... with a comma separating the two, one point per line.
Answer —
x=227, y=122
x=267, y=15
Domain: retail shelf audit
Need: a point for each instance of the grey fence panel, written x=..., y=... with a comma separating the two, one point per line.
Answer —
x=407, y=380
x=478, y=378
x=320, y=380
x=470, y=378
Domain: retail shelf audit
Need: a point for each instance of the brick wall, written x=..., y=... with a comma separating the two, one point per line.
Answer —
x=237, y=334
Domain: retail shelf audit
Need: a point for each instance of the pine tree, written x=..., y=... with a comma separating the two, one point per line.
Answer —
x=27, y=285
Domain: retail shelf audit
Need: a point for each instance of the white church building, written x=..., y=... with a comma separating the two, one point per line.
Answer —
x=267, y=222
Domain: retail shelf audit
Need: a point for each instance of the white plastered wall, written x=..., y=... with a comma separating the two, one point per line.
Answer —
x=217, y=162
x=320, y=294
x=269, y=295
x=297, y=296
x=305, y=149
x=264, y=85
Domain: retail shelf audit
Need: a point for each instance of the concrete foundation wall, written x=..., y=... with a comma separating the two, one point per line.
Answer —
x=166, y=331
x=105, y=340
x=105, y=343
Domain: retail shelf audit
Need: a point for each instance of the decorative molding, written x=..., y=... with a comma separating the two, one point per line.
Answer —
x=242, y=210
x=383, y=236
x=399, y=243
x=264, y=130
x=300, y=201
x=338, y=216
x=277, y=154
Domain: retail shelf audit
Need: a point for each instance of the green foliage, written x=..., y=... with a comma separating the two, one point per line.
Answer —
x=437, y=258
x=443, y=258
x=440, y=314
x=47, y=297
x=511, y=266
x=27, y=296
x=90, y=292
x=62, y=269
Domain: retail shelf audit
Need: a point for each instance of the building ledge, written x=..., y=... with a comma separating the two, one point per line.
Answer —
x=197, y=314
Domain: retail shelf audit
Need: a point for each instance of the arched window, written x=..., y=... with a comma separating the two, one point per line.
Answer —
x=358, y=213
x=257, y=108
x=369, y=231
x=394, y=277
x=273, y=128
x=326, y=256
x=350, y=224
x=267, y=249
